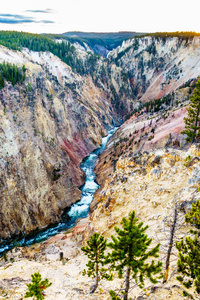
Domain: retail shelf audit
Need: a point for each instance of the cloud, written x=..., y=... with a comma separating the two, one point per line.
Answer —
x=46, y=21
x=45, y=11
x=17, y=19
x=12, y=16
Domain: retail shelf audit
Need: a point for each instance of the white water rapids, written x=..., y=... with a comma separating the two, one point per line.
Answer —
x=77, y=210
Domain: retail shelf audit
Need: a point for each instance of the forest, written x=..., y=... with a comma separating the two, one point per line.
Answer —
x=184, y=35
x=11, y=73
x=35, y=42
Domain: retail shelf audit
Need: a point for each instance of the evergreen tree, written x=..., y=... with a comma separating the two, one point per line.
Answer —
x=189, y=252
x=36, y=288
x=11, y=73
x=192, y=122
x=1, y=82
x=95, y=252
x=130, y=252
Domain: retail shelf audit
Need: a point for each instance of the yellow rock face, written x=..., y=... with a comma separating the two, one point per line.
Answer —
x=152, y=185
x=47, y=126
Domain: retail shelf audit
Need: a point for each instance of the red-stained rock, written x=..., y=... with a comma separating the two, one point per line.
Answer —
x=167, y=134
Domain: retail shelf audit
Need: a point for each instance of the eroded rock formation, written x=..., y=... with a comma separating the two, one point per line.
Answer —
x=48, y=125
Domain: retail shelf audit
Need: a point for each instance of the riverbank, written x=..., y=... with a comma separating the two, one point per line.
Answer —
x=77, y=210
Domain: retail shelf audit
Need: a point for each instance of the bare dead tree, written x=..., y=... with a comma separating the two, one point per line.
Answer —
x=170, y=245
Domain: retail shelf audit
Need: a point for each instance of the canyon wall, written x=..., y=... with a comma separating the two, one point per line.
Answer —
x=148, y=68
x=56, y=117
x=47, y=126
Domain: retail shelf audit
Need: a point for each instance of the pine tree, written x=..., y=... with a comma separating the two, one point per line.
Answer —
x=1, y=82
x=95, y=252
x=130, y=252
x=192, y=122
x=36, y=288
x=189, y=252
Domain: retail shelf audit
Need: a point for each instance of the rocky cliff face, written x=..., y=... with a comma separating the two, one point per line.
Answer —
x=47, y=126
x=148, y=68
x=145, y=131
x=57, y=117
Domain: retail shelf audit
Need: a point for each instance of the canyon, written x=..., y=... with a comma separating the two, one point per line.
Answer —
x=154, y=185
x=52, y=121
x=46, y=131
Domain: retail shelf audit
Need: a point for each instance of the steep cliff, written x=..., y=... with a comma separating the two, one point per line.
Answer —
x=145, y=131
x=148, y=68
x=47, y=126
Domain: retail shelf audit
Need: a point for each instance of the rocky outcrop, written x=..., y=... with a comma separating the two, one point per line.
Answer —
x=155, y=184
x=147, y=68
x=47, y=126
x=140, y=134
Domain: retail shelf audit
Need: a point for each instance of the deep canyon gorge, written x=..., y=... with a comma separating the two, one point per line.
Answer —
x=59, y=115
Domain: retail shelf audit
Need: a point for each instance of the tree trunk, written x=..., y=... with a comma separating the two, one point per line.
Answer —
x=97, y=272
x=197, y=116
x=170, y=246
x=94, y=287
x=127, y=282
x=97, y=275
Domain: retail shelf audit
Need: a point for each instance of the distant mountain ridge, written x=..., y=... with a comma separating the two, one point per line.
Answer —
x=100, y=42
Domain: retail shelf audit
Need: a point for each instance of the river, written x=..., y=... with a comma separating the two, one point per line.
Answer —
x=77, y=210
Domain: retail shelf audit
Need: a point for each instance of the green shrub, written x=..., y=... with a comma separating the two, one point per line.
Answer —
x=37, y=287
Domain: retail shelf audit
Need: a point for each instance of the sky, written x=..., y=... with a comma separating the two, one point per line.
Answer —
x=59, y=16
